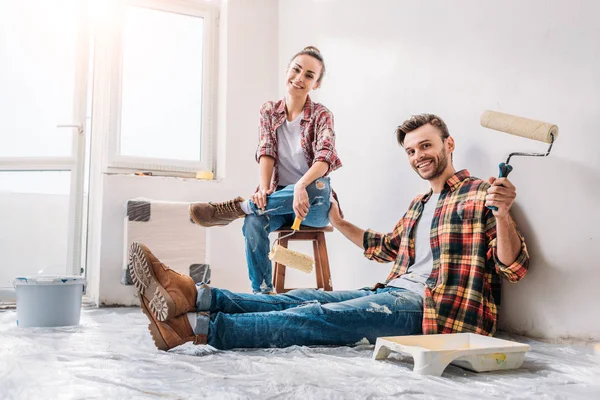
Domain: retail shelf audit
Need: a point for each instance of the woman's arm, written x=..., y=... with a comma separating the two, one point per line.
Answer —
x=301, y=203
x=266, y=172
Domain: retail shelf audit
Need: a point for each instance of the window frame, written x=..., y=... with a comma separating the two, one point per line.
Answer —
x=118, y=163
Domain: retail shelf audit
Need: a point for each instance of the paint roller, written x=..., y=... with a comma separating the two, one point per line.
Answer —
x=291, y=258
x=519, y=126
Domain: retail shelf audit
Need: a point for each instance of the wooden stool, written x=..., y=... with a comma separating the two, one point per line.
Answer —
x=317, y=236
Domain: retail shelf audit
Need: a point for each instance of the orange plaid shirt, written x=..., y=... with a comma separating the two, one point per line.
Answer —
x=462, y=294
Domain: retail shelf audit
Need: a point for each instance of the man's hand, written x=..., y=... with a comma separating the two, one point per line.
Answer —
x=334, y=213
x=301, y=203
x=501, y=194
x=260, y=197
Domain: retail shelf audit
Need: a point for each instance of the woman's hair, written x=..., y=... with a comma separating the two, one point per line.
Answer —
x=314, y=53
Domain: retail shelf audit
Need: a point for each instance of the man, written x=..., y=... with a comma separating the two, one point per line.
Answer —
x=449, y=250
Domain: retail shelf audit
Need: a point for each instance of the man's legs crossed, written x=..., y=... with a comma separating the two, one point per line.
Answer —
x=214, y=300
x=169, y=325
x=387, y=312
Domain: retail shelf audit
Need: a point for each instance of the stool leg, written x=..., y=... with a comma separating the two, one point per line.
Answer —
x=280, y=270
x=318, y=267
x=326, y=272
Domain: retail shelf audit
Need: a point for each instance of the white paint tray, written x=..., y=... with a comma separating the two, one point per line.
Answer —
x=433, y=353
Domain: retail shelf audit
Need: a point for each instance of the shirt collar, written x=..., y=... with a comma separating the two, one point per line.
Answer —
x=451, y=184
x=309, y=107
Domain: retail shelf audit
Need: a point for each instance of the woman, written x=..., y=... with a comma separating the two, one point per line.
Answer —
x=296, y=152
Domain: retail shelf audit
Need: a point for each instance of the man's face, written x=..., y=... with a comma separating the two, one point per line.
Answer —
x=427, y=152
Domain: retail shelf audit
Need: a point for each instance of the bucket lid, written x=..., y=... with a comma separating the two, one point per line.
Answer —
x=49, y=280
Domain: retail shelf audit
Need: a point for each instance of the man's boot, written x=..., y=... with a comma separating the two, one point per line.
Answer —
x=216, y=214
x=171, y=333
x=167, y=292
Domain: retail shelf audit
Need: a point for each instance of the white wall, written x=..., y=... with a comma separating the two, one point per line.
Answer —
x=247, y=77
x=540, y=59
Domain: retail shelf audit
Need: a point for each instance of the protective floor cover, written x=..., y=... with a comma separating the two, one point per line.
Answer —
x=111, y=356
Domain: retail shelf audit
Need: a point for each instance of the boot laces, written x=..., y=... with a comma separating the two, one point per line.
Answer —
x=226, y=206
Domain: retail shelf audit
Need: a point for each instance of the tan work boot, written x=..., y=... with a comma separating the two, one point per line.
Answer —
x=172, y=333
x=216, y=214
x=167, y=292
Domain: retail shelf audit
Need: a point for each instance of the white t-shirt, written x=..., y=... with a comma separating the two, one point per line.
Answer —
x=416, y=275
x=292, y=163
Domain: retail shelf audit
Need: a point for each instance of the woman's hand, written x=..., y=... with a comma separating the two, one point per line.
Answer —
x=301, y=203
x=260, y=197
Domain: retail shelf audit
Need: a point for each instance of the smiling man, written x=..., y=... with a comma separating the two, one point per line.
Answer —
x=450, y=253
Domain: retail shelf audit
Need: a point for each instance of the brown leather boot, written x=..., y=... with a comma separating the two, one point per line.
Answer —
x=172, y=333
x=216, y=214
x=167, y=292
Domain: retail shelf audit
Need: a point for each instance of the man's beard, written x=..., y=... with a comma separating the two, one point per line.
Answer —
x=440, y=165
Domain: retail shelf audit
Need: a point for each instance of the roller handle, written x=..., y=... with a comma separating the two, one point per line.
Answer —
x=504, y=171
x=296, y=224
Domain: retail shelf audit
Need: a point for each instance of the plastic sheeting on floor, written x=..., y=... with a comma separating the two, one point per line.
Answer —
x=111, y=356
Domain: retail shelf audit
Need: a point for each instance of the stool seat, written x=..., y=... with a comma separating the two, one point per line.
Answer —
x=317, y=237
x=288, y=229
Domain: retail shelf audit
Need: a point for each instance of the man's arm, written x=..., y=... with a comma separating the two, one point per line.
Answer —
x=502, y=194
x=352, y=232
x=380, y=247
x=507, y=246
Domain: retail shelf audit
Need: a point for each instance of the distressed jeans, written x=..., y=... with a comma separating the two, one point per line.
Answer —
x=279, y=212
x=305, y=317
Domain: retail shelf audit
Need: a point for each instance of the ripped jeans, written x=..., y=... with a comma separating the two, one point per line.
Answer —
x=306, y=317
x=279, y=212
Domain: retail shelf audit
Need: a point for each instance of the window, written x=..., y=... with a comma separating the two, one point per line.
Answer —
x=162, y=113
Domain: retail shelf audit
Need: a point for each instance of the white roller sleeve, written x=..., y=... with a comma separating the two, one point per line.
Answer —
x=292, y=259
x=519, y=126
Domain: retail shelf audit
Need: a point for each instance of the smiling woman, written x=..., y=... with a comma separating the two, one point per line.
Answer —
x=296, y=152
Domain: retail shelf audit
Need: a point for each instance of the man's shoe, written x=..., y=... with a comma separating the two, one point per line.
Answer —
x=216, y=214
x=167, y=292
x=172, y=333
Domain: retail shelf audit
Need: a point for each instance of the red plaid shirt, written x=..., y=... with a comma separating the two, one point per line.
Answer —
x=317, y=140
x=462, y=294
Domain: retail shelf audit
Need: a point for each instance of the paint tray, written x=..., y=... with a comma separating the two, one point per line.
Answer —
x=433, y=353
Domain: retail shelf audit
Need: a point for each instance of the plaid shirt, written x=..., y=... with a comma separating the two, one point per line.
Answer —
x=317, y=140
x=462, y=294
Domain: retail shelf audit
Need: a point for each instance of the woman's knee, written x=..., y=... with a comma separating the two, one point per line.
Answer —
x=319, y=189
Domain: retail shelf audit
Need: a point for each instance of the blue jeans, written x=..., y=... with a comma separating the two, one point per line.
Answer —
x=306, y=317
x=279, y=212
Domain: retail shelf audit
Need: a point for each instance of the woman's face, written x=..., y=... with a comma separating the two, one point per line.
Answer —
x=302, y=75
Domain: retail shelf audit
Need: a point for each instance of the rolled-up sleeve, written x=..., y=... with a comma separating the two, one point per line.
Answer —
x=518, y=269
x=325, y=142
x=383, y=247
x=266, y=138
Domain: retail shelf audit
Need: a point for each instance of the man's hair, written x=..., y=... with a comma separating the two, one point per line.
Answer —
x=417, y=121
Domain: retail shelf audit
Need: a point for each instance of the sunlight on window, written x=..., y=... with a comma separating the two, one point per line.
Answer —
x=162, y=85
x=36, y=182
x=38, y=53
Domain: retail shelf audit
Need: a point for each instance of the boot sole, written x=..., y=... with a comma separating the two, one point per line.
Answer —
x=160, y=302
x=159, y=341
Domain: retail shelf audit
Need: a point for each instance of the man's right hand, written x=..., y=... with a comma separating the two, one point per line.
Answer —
x=260, y=197
x=334, y=213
